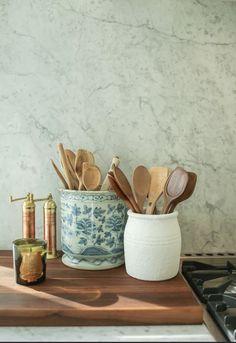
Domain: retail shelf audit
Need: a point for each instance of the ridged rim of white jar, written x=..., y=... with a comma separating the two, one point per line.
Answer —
x=152, y=216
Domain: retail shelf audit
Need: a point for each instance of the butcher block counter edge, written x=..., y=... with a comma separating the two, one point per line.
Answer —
x=121, y=300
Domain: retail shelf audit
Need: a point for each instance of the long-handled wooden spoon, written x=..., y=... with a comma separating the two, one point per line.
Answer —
x=158, y=179
x=118, y=191
x=141, y=184
x=60, y=175
x=91, y=176
x=124, y=185
x=174, y=187
x=106, y=185
x=64, y=161
x=187, y=192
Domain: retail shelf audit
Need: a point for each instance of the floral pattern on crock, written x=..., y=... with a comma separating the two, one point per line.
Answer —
x=93, y=228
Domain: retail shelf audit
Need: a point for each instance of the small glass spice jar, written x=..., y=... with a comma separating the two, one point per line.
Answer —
x=29, y=259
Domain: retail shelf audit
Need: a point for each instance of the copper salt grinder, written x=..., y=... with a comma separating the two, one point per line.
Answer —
x=28, y=215
x=49, y=216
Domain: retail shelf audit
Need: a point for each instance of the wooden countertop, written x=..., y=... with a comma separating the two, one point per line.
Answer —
x=77, y=297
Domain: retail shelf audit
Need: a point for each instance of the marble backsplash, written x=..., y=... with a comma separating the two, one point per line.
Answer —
x=153, y=82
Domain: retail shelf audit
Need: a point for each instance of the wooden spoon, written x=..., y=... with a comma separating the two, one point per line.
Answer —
x=118, y=191
x=91, y=176
x=158, y=179
x=70, y=155
x=124, y=185
x=106, y=184
x=60, y=175
x=141, y=184
x=63, y=158
x=187, y=193
x=87, y=155
x=82, y=156
x=174, y=187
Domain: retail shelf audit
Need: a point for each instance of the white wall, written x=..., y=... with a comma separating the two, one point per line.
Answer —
x=151, y=81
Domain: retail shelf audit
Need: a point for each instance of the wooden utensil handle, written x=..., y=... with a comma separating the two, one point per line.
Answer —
x=80, y=181
x=116, y=187
x=60, y=175
x=106, y=185
x=165, y=208
x=72, y=174
x=65, y=165
x=151, y=205
x=135, y=205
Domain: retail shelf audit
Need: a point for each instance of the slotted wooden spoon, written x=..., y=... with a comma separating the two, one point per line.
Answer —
x=141, y=184
x=159, y=176
x=174, y=187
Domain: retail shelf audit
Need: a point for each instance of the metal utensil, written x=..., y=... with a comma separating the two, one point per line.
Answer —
x=141, y=184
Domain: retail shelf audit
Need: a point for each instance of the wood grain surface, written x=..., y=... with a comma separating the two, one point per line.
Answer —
x=77, y=297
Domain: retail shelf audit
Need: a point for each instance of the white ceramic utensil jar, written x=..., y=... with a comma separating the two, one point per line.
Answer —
x=152, y=246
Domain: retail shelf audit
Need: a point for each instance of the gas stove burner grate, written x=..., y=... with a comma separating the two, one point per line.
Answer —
x=206, y=279
x=215, y=285
x=223, y=309
x=231, y=289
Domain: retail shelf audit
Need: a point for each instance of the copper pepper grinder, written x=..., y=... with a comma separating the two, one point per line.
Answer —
x=49, y=215
x=28, y=215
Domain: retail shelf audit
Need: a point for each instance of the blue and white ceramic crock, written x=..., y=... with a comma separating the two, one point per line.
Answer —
x=92, y=229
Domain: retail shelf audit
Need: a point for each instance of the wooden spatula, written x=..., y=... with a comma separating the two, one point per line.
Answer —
x=159, y=176
x=141, y=184
x=174, y=188
x=124, y=185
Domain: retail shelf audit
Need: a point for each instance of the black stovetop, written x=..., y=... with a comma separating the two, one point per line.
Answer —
x=215, y=285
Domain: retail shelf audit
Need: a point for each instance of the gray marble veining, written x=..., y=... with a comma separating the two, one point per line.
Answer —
x=153, y=82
